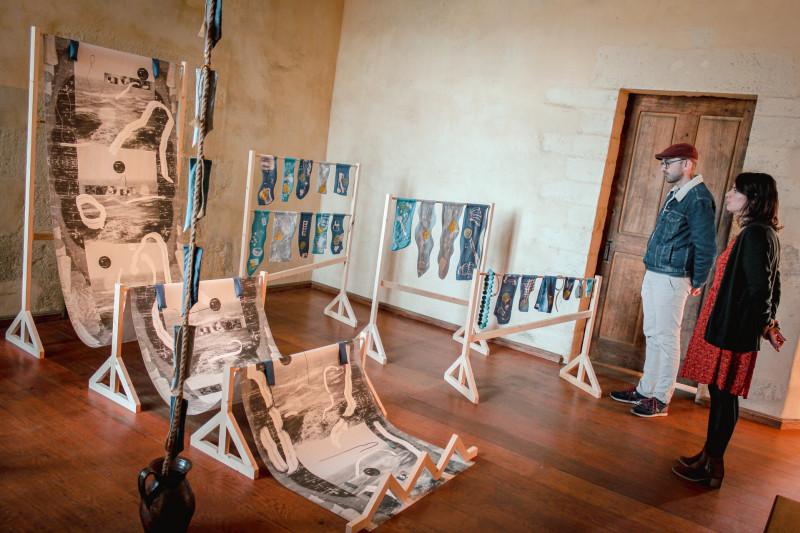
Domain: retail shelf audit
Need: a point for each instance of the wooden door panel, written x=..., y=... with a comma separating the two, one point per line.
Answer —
x=623, y=325
x=716, y=140
x=643, y=190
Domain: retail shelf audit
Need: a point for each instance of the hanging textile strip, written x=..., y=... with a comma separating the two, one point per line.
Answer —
x=322, y=177
x=193, y=276
x=401, y=230
x=546, y=297
x=471, y=230
x=321, y=233
x=505, y=300
x=578, y=290
x=569, y=284
x=304, y=235
x=258, y=235
x=587, y=287
x=486, y=299
x=269, y=175
x=423, y=236
x=288, y=178
x=212, y=94
x=283, y=227
x=342, y=182
x=450, y=215
x=201, y=210
x=526, y=288
x=337, y=234
x=303, y=178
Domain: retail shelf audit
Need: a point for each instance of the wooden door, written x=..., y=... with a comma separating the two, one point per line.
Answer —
x=719, y=128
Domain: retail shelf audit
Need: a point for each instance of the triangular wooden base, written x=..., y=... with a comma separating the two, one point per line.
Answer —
x=344, y=311
x=583, y=369
x=374, y=343
x=461, y=378
x=482, y=347
x=118, y=378
x=228, y=432
x=22, y=333
x=402, y=490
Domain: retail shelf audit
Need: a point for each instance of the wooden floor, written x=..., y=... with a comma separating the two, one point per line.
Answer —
x=551, y=457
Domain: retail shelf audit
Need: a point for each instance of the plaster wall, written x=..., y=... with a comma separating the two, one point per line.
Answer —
x=512, y=102
x=276, y=64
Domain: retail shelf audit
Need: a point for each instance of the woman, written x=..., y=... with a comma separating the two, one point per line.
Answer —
x=738, y=312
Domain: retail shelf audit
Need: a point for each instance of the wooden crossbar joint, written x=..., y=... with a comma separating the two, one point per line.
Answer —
x=481, y=346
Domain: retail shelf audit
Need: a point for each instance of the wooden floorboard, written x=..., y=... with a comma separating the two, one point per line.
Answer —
x=551, y=457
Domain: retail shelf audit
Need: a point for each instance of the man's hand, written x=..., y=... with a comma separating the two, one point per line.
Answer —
x=696, y=292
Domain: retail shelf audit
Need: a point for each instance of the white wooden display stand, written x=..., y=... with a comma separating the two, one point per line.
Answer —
x=22, y=331
x=461, y=377
x=375, y=347
x=339, y=308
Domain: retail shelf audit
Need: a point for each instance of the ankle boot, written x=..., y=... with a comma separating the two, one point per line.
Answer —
x=716, y=471
x=693, y=460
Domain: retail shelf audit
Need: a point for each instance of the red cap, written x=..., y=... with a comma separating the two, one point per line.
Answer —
x=683, y=150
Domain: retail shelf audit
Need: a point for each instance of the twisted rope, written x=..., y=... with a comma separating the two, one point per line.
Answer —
x=185, y=356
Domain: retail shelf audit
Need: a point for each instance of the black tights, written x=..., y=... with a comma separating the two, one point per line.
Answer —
x=722, y=419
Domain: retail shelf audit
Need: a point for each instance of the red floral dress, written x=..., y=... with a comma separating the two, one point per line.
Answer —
x=705, y=363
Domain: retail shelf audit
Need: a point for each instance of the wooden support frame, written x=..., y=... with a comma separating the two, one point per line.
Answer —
x=375, y=347
x=461, y=377
x=228, y=432
x=22, y=332
x=120, y=388
x=339, y=308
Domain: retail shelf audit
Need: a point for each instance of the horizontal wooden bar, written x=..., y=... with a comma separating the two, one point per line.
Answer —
x=395, y=197
x=314, y=160
x=508, y=330
x=422, y=292
x=305, y=268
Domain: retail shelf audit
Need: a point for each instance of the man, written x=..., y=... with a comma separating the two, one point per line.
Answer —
x=679, y=256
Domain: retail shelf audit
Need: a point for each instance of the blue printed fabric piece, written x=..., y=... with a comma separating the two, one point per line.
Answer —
x=423, y=237
x=238, y=290
x=588, y=285
x=471, y=230
x=180, y=436
x=526, y=288
x=72, y=50
x=288, y=178
x=337, y=234
x=156, y=67
x=283, y=228
x=401, y=230
x=304, y=235
x=321, y=233
x=303, y=178
x=450, y=215
x=161, y=298
x=547, y=293
x=578, y=290
x=569, y=284
x=342, y=181
x=269, y=175
x=269, y=372
x=505, y=300
x=215, y=26
x=322, y=177
x=201, y=210
x=258, y=235
x=343, y=360
x=210, y=99
x=193, y=277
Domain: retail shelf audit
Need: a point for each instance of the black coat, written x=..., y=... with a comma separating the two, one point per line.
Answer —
x=749, y=292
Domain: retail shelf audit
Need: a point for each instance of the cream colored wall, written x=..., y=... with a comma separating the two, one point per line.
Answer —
x=512, y=102
x=276, y=64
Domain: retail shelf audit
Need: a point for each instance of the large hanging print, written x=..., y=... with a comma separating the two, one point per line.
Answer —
x=230, y=328
x=111, y=147
x=318, y=429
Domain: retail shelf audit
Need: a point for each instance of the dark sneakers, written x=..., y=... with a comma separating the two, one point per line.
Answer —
x=650, y=407
x=628, y=396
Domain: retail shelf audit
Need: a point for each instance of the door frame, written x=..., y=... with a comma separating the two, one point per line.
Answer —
x=607, y=184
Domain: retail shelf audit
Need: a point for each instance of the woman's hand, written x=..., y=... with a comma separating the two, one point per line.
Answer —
x=775, y=338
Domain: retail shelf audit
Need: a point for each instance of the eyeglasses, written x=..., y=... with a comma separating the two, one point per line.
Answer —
x=665, y=163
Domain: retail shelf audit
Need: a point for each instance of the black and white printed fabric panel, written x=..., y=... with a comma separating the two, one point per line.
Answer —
x=321, y=434
x=231, y=329
x=112, y=153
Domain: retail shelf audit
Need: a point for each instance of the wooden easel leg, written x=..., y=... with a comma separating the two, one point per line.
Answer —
x=374, y=343
x=459, y=375
x=482, y=347
x=344, y=311
x=22, y=333
x=583, y=366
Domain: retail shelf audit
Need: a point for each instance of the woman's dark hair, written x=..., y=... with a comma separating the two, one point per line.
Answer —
x=762, y=199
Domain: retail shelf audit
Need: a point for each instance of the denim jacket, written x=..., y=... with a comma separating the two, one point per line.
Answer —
x=683, y=244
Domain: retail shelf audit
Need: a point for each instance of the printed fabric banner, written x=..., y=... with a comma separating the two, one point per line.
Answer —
x=280, y=246
x=423, y=237
x=258, y=236
x=547, y=293
x=337, y=234
x=303, y=178
x=190, y=191
x=318, y=428
x=526, y=288
x=321, y=233
x=269, y=176
x=401, y=229
x=505, y=300
x=304, y=235
x=471, y=230
x=288, y=178
x=342, y=181
x=322, y=177
x=230, y=328
x=111, y=162
x=450, y=215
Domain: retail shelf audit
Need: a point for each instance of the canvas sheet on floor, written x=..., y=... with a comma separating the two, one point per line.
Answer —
x=322, y=435
x=111, y=152
x=231, y=329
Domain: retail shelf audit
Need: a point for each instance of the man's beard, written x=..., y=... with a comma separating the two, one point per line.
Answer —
x=672, y=179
